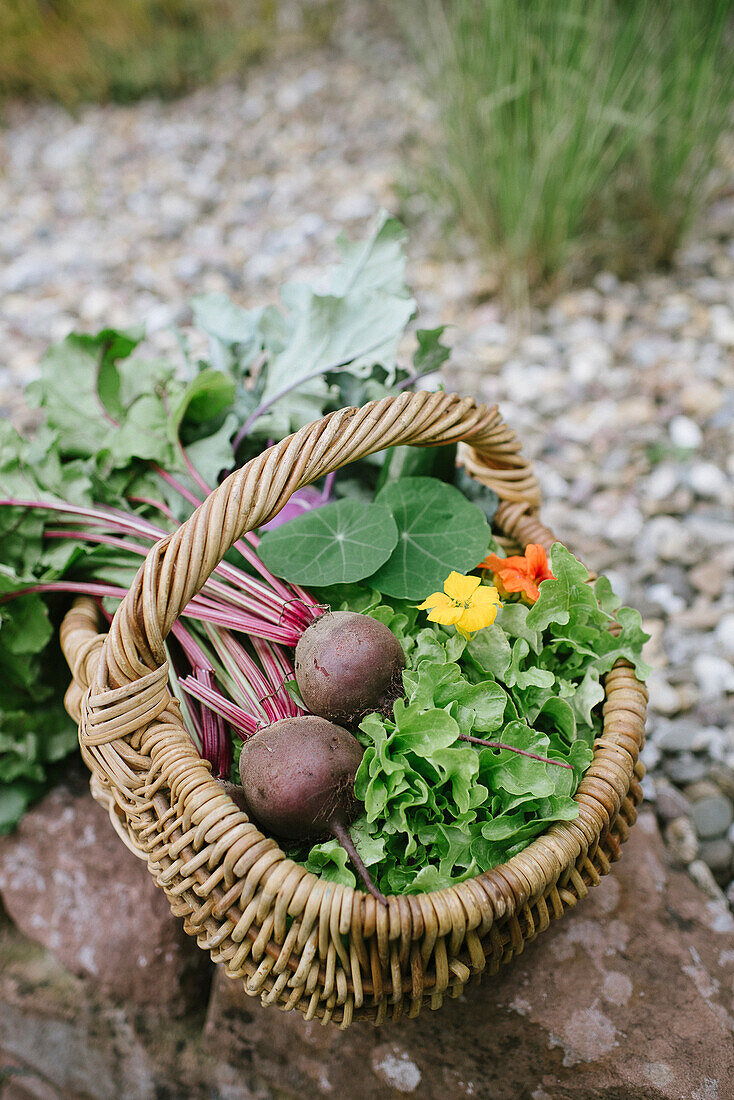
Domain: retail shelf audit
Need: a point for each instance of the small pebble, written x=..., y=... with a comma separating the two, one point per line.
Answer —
x=685, y=433
x=662, y=482
x=705, y=788
x=703, y=877
x=723, y=774
x=717, y=854
x=663, y=697
x=670, y=802
x=724, y=634
x=677, y=737
x=712, y=817
x=685, y=768
x=650, y=756
x=708, y=481
x=681, y=840
x=715, y=675
x=722, y=324
x=664, y=596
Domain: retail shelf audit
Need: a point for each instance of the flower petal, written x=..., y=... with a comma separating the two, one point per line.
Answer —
x=537, y=561
x=436, y=599
x=531, y=591
x=459, y=587
x=491, y=562
x=485, y=596
x=515, y=562
x=514, y=580
x=447, y=614
x=475, y=618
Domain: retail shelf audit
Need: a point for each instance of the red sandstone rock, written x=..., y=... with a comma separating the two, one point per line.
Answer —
x=69, y=883
x=630, y=996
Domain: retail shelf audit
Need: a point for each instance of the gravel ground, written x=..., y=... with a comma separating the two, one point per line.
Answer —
x=623, y=393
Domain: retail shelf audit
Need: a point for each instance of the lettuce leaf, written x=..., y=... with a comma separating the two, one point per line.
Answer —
x=439, y=809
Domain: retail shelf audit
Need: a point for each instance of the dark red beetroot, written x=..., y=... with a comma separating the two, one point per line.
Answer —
x=348, y=665
x=298, y=783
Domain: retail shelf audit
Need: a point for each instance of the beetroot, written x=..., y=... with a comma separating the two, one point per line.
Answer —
x=348, y=665
x=298, y=783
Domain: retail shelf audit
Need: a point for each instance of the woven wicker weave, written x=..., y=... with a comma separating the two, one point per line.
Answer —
x=295, y=940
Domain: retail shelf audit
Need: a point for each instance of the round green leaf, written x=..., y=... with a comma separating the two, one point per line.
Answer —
x=438, y=530
x=334, y=544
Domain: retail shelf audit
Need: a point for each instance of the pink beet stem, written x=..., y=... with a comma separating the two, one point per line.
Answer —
x=247, y=553
x=274, y=672
x=135, y=525
x=244, y=723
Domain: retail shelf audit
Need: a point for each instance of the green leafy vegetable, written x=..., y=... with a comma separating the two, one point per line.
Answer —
x=439, y=809
x=334, y=544
x=399, y=462
x=438, y=530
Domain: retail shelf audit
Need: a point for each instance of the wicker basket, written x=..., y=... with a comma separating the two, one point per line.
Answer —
x=294, y=939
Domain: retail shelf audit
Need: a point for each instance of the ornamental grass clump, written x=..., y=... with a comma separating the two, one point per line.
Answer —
x=574, y=133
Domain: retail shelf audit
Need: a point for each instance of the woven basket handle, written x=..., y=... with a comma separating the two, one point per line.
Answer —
x=177, y=566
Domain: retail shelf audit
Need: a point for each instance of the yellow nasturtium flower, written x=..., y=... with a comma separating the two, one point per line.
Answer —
x=465, y=603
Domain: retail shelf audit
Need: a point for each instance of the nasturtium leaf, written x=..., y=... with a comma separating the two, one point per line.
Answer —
x=335, y=544
x=438, y=531
x=438, y=462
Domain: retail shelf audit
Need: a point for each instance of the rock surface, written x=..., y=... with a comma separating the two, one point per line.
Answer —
x=629, y=996
x=68, y=883
x=61, y=1040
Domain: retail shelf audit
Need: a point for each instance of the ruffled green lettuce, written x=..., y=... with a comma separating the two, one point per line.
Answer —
x=437, y=809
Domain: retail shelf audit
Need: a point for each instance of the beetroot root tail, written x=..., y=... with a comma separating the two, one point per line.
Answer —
x=342, y=834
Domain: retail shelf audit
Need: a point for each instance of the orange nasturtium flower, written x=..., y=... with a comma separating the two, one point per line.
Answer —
x=520, y=574
x=465, y=603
